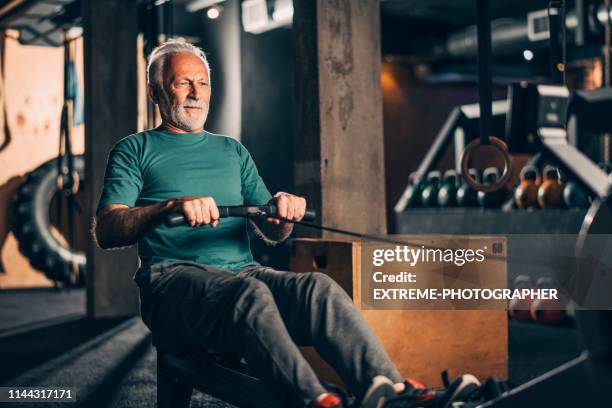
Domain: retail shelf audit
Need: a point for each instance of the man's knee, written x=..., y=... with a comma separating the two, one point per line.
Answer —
x=255, y=290
x=323, y=284
x=254, y=304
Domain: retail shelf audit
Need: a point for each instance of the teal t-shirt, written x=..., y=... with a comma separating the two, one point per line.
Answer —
x=152, y=166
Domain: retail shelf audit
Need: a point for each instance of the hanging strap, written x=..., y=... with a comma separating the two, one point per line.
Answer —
x=483, y=23
x=556, y=29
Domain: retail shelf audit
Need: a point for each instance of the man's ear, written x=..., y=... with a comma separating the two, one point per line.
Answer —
x=152, y=92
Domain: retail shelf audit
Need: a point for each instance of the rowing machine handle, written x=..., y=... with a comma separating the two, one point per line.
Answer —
x=177, y=219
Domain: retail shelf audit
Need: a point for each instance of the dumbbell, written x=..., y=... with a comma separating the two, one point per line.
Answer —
x=429, y=195
x=447, y=195
x=493, y=199
x=549, y=311
x=466, y=195
x=520, y=309
x=526, y=194
x=550, y=193
x=413, y=191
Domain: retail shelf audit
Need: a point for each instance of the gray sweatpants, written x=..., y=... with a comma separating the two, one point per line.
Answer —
x=264, y=315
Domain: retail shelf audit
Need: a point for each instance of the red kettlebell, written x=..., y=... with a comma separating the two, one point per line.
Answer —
x=548, y=311
x=519, y=309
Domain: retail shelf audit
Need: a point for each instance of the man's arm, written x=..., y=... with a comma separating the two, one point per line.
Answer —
x=118, y=225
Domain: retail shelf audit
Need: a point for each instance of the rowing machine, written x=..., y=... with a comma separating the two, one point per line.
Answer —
x=223, y=376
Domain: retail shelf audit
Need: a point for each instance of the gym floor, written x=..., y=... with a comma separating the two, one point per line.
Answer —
x=46, y=330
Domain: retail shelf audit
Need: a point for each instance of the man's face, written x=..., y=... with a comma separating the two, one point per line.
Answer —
x=186, y=95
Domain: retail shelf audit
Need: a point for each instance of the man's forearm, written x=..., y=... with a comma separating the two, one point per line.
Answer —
x=124, y=226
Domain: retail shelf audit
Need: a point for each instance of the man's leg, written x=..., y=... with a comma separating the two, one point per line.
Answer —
x=191, y=304
x=317, y=311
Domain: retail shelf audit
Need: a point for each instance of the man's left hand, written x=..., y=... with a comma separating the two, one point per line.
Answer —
x=290, y=207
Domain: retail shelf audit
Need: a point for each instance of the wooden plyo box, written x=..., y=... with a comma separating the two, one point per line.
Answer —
x=422, y=343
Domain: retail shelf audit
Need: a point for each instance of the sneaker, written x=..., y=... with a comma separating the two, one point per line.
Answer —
x=417, y=395
x=347, y=400
x=489, y=390
x=380, y=391
x=329, y=401
x=459, y=390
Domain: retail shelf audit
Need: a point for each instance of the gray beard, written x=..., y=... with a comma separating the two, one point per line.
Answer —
x=179, y=117
x=182, y=121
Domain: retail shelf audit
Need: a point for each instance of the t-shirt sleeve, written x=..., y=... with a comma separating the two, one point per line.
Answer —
x=122, y=179
x=254, y=190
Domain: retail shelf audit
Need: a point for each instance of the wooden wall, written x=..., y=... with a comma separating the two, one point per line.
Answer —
x=33, y=91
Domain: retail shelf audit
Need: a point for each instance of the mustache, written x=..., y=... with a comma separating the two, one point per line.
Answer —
x=192, y=104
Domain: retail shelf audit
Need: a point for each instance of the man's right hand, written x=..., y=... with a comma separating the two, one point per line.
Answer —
x=197, y=210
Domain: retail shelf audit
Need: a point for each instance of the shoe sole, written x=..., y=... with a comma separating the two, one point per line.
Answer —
x=379, y=392
x=467, y=380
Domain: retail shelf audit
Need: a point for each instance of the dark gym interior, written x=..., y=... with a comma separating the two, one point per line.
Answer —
x=395, y=119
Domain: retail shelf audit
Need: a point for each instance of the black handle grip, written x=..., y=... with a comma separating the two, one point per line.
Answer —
x=177, y=219
x=309, y=215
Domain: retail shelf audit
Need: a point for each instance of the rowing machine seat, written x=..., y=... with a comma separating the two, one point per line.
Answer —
x=221, y=375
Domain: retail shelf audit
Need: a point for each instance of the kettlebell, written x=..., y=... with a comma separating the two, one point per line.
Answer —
x=574, y=196
x=447, y=195
x=429, y=195
x=547, y=311
x=520, y=309
x=413, y=191
x=493, y=199
x=526, y=194
x=466, y=195
x=550, y=193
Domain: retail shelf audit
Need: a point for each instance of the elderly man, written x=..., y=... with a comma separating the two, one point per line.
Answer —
x=201, y=286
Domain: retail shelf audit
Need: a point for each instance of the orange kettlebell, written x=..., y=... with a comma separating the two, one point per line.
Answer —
x=547, y=311
x=519, y=309
x=550, y=193
x=526, y=194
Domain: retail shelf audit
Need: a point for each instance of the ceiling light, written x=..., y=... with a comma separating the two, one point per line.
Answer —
x=213, y=13
x=196, y=5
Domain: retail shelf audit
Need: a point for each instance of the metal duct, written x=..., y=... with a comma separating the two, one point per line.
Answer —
x=507, y=37
x=510, y=36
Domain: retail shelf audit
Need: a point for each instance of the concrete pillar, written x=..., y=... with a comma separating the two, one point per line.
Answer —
x=339, y=132
x=110, y=31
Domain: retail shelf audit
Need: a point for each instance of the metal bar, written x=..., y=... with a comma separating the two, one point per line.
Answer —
x=582, y=29
x=435, y=152
x=550, y=389
x=586, y=173
x=483, y=21
x=441, y=142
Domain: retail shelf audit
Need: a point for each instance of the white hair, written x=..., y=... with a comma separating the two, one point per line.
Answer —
x=160, y=54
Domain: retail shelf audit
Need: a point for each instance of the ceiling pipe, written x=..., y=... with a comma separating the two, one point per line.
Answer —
x=510, y=36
